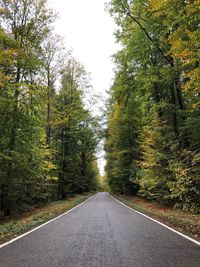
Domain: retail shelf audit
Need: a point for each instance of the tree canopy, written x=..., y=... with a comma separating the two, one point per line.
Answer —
x=153, y=140
x=47, y=134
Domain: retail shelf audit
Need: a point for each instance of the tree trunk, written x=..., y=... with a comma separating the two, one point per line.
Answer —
x=48, y=128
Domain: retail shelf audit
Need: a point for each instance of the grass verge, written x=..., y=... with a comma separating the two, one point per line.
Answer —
x=182, y=221
x=13, y=226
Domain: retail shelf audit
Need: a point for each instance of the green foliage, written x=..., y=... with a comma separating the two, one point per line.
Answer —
x=121, y=145
x=159, y=64
x=47, y=137
x=75, y=138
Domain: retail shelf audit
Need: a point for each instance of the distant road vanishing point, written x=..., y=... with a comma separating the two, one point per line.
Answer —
x=101, y=233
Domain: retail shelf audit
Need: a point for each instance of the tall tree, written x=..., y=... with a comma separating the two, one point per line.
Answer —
x=74, y=132
x=26, y=23
x=160, y=47
x=47, y=135
x=53, y=58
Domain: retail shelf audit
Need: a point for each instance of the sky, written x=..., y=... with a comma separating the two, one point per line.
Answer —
x=88, y=30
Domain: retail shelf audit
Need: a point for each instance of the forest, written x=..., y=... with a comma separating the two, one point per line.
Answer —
x=153, y=139
x=48, y=136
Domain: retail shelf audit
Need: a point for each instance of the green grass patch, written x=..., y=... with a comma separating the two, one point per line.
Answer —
x=13, y=226
x=185, y=222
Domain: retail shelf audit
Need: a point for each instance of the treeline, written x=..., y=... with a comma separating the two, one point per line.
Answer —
x=153, y=137
x=47, y=135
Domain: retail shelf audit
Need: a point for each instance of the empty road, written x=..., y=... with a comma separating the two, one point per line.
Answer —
x=101, y=233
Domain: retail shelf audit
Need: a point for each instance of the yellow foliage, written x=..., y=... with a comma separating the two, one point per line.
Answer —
x=156, y=5
x=48, y=165
x=51, y=166
x=4, y=79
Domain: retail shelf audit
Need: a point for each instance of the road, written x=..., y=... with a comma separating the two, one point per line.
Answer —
x=101, y=233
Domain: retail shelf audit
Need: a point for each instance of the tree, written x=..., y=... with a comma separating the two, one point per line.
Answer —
x=121, y=145
x=74, y=133
x=53, y=58
x=159, y=57
x=47, y=135
x=26, y=24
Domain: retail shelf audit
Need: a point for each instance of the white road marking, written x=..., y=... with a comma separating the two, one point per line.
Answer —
x=38, y=227
x=164, y=225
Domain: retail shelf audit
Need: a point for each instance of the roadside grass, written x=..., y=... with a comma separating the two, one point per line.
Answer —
x=11, y=227
x=182, y=221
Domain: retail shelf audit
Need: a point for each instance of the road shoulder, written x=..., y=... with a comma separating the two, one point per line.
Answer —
x=173, y=220
x=14, y=228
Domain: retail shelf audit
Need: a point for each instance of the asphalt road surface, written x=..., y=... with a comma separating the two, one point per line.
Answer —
x=101, y=233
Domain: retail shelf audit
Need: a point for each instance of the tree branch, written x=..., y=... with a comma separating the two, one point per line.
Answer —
x=128, y=12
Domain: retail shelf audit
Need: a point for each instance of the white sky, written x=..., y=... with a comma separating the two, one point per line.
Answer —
x=88, y=30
